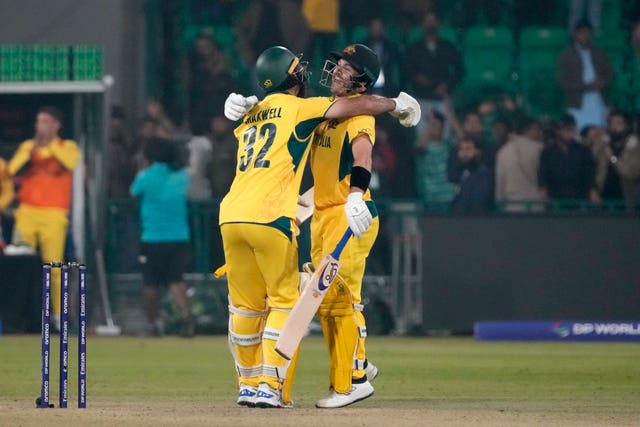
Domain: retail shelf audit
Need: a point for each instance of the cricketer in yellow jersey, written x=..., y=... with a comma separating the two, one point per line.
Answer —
x=341, y=166
x=257, y=216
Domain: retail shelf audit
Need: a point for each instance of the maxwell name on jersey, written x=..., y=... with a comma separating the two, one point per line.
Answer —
x=267, y=114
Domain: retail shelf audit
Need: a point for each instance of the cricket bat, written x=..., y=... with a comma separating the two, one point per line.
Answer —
x=305, y=206
x=309, y=301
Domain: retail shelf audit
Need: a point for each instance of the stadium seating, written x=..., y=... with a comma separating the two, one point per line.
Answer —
x=488, y=56
x=539, y=49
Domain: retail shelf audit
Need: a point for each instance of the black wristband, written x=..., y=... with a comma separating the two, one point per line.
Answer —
x=360, y=177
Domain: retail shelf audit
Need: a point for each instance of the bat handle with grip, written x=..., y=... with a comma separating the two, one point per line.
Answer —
x=342, y=243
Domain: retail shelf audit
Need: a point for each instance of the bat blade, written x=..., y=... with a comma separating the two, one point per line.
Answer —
x=309, y=301
x=305, y=206
x=306, y=307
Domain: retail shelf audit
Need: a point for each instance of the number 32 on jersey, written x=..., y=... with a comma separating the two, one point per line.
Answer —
x=264, y=136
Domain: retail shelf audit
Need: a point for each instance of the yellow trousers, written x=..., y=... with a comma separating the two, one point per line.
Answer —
x=44, y=229
x=262, y=272
x=343, y=328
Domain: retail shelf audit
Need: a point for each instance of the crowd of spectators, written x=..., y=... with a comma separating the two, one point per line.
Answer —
x=456, y=140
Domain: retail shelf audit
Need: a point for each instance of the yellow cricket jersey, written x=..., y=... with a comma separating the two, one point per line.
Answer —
x=273, y=145
x=332, y=158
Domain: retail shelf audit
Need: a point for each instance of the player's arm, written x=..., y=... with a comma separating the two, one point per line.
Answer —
x=21, y=158
x=404, y=107
x=67, y=153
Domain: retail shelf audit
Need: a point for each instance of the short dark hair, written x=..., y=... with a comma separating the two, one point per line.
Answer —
x=52, y=111
x=584, y=133
x=566, y=120
x=162, y=150
x=524, y=123
x=619, y=113
x=583, y=24
x=468, y=138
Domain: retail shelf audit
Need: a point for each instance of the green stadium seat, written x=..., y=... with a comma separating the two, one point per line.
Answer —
x=539, y=50
x=359, y=34
x=488, y=37
x=488, y=56
x=446, y=32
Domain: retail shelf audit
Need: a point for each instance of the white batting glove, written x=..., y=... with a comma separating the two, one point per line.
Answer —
x=236, y=106
x=358, y=215
x=407, y=110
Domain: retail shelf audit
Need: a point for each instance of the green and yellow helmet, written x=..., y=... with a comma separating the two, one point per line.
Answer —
x=278, y=69
x=364, y=60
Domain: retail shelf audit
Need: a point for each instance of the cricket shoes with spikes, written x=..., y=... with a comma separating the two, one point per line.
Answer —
x=266, y=397
x=247, y=396
x=338, y=400
x=371, y=370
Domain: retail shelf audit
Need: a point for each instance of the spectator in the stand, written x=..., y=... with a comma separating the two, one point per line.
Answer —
x=148, y=128
x=584, y=73
x=431, y=161
x=210, y=78
x=475, y=194
x=120, y=166
x=359, y=12
x=384, y=164
x=410, y=12
x=44, y=166
x=500, y=132
x=623, y=174
x=271, y=22
x=389, y=56
x=225, y=146
x=6, y=196
x=323, y=20
x=516, y=172
x=155, y=110
x=200, y=162
x=165, y=254
x=597, y=140
x=434, y=67
x=577, y=12
x=472, y=10
x=567, y=169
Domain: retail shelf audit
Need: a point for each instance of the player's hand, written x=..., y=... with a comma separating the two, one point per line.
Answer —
x=407, y=110
x=358, y=215
x=236, y=106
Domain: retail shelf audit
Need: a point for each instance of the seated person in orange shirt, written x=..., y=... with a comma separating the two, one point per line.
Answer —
x=44, y=166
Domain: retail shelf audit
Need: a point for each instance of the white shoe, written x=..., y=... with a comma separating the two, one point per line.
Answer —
x=338, y=400
x=371, y=370
x=247, y=396
x=266, y=397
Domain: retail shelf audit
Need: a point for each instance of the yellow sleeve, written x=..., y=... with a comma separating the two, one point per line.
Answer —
x=21, y=157
x=66, y=152
x=310, y=114
x=362, y=125
x=6, y=192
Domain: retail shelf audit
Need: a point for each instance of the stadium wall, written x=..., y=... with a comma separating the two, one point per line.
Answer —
x=529, y=268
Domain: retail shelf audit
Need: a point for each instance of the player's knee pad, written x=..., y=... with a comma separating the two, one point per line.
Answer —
x=275, y=369
x=245, y=339
x=337, y=301
x=341, y=335
x=360, y=353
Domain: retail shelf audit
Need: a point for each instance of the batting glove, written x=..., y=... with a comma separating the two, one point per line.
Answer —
x=236, y=106
x=407, y=110
x=358, y=215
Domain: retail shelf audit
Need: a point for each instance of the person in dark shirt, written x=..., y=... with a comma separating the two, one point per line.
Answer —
x=475, y=194
x=434, y=68
x=567, y=168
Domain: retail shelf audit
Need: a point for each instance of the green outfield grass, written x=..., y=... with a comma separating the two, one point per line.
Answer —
x=423, y=381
